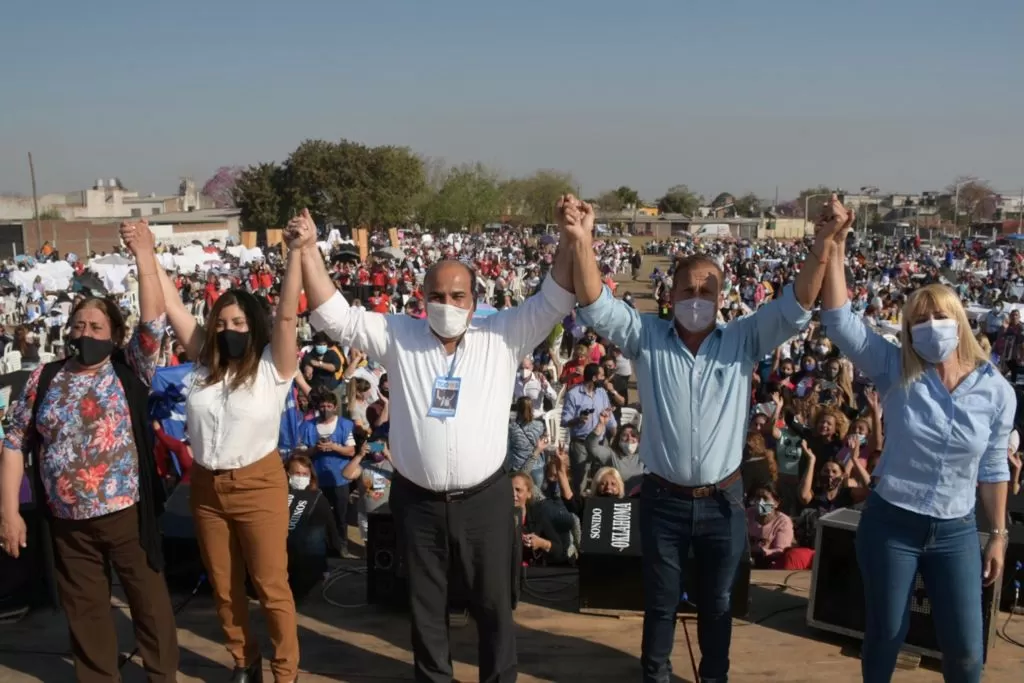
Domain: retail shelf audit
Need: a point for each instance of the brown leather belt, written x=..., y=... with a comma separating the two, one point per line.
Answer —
x=696, y=491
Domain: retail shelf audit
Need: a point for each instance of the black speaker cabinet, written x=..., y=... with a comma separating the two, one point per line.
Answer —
x=611, y=563
x=837, y=595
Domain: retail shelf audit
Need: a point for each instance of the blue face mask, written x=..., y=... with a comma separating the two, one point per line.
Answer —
x=935, y=340
x=863, y=439
x=320, y=349
x=765, y=507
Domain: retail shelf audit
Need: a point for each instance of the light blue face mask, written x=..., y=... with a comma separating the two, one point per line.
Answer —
x=765, y=507
x=320, y=349
x=935, y=340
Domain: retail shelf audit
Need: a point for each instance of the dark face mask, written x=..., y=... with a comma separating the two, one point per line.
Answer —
x=91, y=351
x=232, y=344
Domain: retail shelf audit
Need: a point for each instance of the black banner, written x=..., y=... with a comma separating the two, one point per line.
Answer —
x=611, y=526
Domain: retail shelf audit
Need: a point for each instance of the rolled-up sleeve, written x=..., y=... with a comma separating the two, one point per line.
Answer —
x=995, y=463
x=527, y=325
x=869, y=351
x=143, y=350
x=615, y=320
x=356, y=327
x=773, y=324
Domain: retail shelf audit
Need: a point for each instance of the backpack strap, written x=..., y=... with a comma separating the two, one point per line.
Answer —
x=46, y=376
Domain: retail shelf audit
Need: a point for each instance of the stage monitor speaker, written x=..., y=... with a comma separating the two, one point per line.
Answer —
x=386, y=577
x=611, y=563
x=837, y=595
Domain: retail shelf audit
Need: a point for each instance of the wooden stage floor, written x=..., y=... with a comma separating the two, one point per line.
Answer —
x=556, y=643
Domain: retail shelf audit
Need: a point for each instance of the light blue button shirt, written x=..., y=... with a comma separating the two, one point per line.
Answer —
x=695, y=407
x=938, y=445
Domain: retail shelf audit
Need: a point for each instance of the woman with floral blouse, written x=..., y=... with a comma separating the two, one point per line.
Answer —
x=83, y=420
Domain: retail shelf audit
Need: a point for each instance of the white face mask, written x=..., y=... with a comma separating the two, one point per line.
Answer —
x=695, y=315
x=299, y=481
x=447, y=321
x=526, y=374
x=630, y=447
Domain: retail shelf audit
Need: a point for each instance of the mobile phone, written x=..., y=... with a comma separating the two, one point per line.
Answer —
x=587, y=412
x=376, y=446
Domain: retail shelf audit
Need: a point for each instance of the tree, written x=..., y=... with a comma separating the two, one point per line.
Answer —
x=679, y=199
x=257, y=194
x=815, y=203
x=722, y=199
x=397, y=177
x=533, y=198
x=220, y=187
x=328, y=178
x=628, y=196
x=976, y=200
x=470, y=196
x=748, y=205
x=610, y=201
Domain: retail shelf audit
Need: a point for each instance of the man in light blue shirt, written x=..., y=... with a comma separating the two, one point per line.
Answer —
x=581, y=411
x=694, y=378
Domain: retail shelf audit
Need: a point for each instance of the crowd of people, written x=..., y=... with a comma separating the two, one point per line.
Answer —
x=780, y=409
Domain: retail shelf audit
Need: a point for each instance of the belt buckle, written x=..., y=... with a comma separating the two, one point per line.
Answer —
x=703, y=492
x=453, y=495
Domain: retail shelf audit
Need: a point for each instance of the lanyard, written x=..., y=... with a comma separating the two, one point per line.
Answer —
x=451, y=368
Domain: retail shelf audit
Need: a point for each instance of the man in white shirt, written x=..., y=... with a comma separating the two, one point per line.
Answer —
x=534, y=385
x=451, y=387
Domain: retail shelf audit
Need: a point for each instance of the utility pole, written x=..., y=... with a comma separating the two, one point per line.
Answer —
x=35, y=204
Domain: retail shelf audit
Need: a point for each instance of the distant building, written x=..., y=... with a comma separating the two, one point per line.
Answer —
x=105, y=199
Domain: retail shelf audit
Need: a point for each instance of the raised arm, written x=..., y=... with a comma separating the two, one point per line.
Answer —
x=186, y=329
x=330, y=312
x=143, y=349
x=283, y=342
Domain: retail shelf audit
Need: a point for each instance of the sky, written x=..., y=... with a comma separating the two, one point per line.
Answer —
x=730, y=95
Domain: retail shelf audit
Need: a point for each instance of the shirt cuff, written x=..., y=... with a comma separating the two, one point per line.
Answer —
x=324, y=314
x=588, y=313
x=835, y=316
x=561, y=299
x=792, y=311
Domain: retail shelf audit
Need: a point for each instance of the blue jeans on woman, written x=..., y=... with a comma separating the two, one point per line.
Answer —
x=893, y=545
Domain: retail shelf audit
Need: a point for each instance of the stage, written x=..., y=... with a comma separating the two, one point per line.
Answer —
x=556, y=643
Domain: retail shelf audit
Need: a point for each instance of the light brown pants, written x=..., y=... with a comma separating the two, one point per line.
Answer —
x=241, y=519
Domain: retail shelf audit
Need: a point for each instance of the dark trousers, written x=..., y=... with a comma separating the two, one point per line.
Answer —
x=472, y=537
x=670, y=525
x=337, y=496
x=85, y=550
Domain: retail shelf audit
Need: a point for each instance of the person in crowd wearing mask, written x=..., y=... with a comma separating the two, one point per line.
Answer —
x=770, y=531
x=595, y=349
x=572, y=371
x=297, y=410
x=358, y=401
x=616, y=386
x=948, y=418
x=621, y=453
x=807, y=378
x=694, y=378
x=759, y=466
x=372, y=468
x=244, y=367
x=534, y=386
x=85, y=421
x=378, y=413
x=783, y=376
x=585, y=405
x=453, y=387
x=329, y=442
x=540, y=541
x=322, y=364
x=321, y=530
x=527, y=441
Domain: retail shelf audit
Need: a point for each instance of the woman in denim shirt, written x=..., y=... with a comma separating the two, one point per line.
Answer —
x=948, y=416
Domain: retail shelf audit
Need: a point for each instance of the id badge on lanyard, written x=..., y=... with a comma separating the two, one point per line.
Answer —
x=444, y=397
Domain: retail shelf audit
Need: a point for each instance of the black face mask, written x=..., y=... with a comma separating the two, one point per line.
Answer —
x=232, y=344
x=91, y=351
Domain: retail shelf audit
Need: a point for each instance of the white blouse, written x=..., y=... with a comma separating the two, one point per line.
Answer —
x=232, y=429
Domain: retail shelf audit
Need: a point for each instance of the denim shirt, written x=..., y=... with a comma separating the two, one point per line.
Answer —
x=938, y=445
x=696, y=407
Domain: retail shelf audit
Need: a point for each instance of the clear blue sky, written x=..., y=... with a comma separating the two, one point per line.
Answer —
x=724, y=95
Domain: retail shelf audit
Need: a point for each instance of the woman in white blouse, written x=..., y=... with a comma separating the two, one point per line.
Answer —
x=244, y=366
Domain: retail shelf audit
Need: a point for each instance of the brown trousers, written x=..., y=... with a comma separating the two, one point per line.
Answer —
x=85, y=550
x=241, y=519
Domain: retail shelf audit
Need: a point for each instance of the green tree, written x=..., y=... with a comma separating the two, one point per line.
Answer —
x=679, y=199
x=533, y=198
x=628, y=196
x=310, y=178
x=722, y=199
x=397, y=178
x=610, y=201
x=471, y=196
x=976, y=200
x=748, y=205
x=257, y=195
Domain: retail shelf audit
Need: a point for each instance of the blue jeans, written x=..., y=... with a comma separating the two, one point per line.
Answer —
x=893, y=545
x=670, y=525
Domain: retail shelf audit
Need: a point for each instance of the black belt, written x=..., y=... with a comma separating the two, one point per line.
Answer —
x=696, y=491
x=460, y=494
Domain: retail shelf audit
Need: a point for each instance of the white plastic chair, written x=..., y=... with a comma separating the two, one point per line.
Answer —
x=632, y=416
x=551, y=425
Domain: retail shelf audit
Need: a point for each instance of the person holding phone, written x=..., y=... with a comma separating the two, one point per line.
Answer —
x=583, y=405
x=372, y=471
x=329, y=441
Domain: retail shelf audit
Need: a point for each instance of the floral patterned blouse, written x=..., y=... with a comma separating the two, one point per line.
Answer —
x=88, y=462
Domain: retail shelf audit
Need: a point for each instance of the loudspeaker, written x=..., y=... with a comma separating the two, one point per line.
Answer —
x=837, y=599
x=611, y=563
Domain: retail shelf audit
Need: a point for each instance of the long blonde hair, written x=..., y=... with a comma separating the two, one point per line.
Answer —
x=932, y=299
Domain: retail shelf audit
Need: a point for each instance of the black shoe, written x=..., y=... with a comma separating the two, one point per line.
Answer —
x=250, y=674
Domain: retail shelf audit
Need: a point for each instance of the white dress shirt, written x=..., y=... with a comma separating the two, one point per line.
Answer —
x=535, y=389
x=229, y=429
x=462, y=451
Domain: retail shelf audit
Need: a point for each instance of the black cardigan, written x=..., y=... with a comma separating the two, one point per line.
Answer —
x=151, y=491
